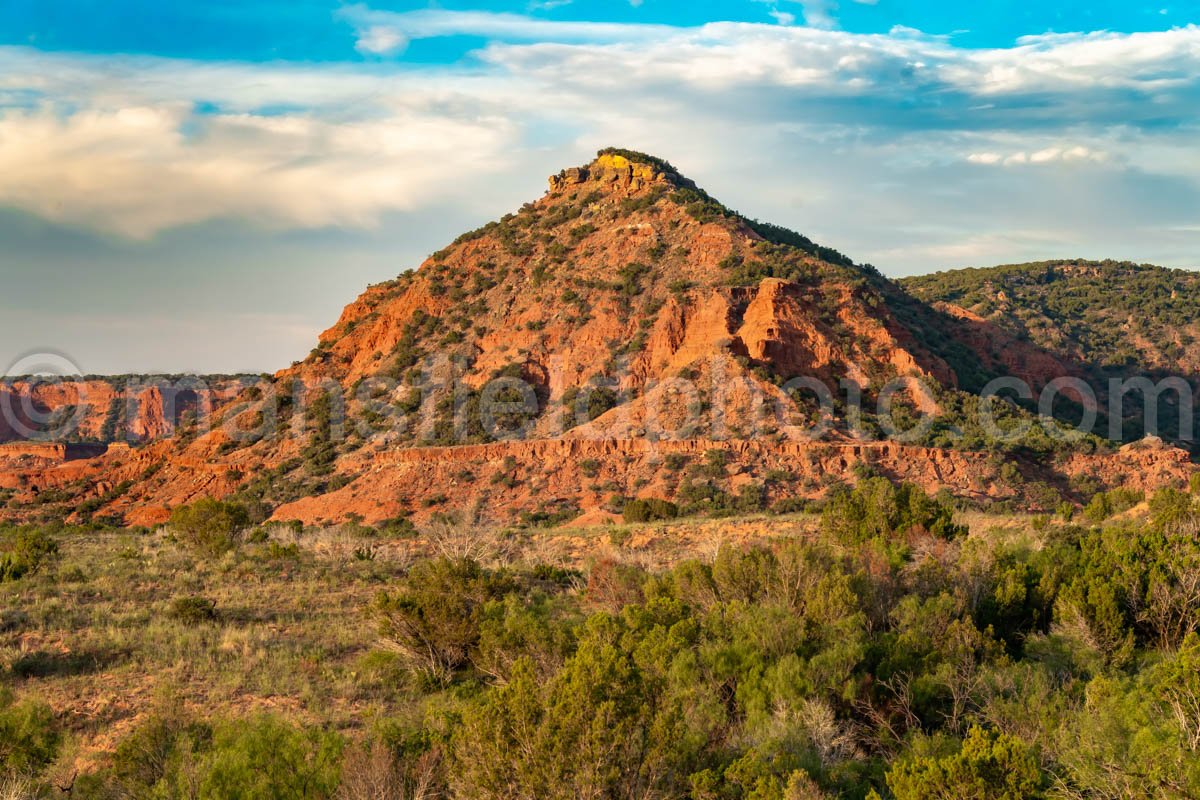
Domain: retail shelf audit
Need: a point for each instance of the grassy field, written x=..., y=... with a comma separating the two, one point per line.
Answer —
x=119, y=621
x=97, y=635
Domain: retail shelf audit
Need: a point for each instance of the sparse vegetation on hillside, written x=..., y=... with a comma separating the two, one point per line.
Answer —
x=1112, y=313
x=1105, y=319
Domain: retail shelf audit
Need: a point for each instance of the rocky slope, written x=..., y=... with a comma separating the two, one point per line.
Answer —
x=640, y=337
x=624, y=269
x=1105, y=314
x=1099, y=320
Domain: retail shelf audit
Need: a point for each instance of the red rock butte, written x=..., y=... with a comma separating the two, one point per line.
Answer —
x=621, y=284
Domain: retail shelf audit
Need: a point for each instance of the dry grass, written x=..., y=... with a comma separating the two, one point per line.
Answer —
x=94, y=634
x=661, y=545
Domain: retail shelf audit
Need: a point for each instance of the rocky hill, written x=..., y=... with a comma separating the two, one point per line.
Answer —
x=1107, y=314
x=1099, y=319
x=624, y=336
x=626, y=271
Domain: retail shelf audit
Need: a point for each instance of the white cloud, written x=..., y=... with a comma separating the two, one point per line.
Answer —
x=819, y=13
x=1046, y=155
x=432, y=23
x=775, y=116
x=381, y=40
x=1159, y=61
x=136, y=170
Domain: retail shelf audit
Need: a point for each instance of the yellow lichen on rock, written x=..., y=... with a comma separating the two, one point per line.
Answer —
x=617, y=169
x=620, y=164
x=612, y=161
x=608, y=168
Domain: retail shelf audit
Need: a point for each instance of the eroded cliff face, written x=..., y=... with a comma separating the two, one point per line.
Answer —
x=99, y=410
x=79, y=408
x=624, y=283
x=500, y=482
x=497, y=482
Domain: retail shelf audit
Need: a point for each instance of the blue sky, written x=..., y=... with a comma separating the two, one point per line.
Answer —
x=202, y=186
x=309, y=30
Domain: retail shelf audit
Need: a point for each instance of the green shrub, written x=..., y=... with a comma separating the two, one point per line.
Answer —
x=1171, y=507
x=192, y=610
x=599, y=399
x=751, y=498
x=715, y=462
x=433, y=621
x=23, y=551
x=649, y=509
x=988, y=766
x=150, y=757
x=277, y=551
x=29, y=735
x=631, y=278
x=878, y=508
x=266, y=758
x=397, y=528
x=1106, y=504
x=675, y=461
x=209, y=525
x=618, y=536
x=171, y=755
x=550, y=515
x=792, y=505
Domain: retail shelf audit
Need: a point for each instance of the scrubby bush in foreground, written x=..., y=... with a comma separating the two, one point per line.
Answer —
x=23, y=551
x=175, y=756
x=29, y=735
x=210, y=526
